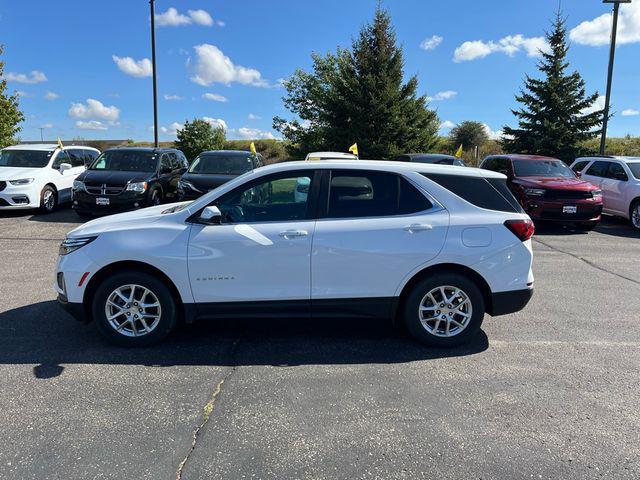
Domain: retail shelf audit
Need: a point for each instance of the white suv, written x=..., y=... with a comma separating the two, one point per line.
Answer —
x=40, y=176
x=619, y=180
x=432, y=245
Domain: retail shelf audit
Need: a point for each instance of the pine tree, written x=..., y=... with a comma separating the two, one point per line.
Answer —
x=10, y=114
x=556, y=117
x=359, y=95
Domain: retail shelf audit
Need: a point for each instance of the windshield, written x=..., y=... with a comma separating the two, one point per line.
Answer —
x=25, y=158
x=541, y=168
x=221, y=165
x=635, y=169
x=126, y=161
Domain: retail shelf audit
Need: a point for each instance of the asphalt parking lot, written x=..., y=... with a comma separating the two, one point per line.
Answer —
x=550, y=392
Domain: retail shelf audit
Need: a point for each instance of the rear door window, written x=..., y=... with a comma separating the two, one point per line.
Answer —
x=77, y=157
x=361, y=193
x=489, y=193
x=598, y=169
x=616, y=172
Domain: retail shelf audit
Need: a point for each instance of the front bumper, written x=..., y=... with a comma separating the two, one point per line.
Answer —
x=503, y=303
x=553, y=211
x=125, y=201
x=19, y=197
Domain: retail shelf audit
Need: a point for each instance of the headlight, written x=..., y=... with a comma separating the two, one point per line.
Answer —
x=183, y=184
x=78, y=185
x=596, y=193
x=534, y=192
x=22, y=181
x=137, y=187
x=72, y=244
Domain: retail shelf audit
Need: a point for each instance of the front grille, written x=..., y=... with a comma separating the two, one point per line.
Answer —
x=103, y=189
x=3, y=185
x=567, y=195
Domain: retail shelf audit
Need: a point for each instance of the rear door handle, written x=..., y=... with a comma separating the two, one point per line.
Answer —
x=418, y=227
x=293, y=233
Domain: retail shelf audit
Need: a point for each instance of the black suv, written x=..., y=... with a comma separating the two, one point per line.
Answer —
x=211, y=169
x=123, y=179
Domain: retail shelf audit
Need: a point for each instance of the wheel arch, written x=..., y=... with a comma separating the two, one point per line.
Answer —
x=631, y=205
x=120, y=266
x=444, y=268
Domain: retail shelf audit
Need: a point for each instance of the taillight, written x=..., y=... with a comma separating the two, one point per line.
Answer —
x=523, y=229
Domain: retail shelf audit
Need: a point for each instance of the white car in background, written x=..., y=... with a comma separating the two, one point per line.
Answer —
x=40, y=175
x=302, y=187
x=431, y=245
x=619, y=180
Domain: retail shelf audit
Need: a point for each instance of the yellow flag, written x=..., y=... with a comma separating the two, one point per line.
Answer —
x=60, y=144
x=459, y=151
x=252, y=147
x=354, y=149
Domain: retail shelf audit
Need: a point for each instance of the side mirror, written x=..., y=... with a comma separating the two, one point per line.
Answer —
x=64, y=167
x=211, y=216
x=578, y=174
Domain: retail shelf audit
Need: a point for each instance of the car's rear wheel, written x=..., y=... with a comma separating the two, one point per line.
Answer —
x=134, y=309
x=635, y=215
x=444, y=310
x=48, y=199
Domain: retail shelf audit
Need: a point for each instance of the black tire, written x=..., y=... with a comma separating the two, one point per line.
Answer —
x=586, y=226
x=48, y=199
x=155, y=197
x=419, y=292
x=168, y=312
x=634, y=205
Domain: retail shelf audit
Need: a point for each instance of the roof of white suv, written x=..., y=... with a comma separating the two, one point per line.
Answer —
x=45, y=146
x=390, y=166
x=612, y=157
x=318, y=156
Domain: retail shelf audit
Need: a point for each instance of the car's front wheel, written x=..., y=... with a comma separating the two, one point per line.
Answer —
x=444, y=310
x=134, y=309
x=48, y=199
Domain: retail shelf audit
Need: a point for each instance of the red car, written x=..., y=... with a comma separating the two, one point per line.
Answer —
x=549, y=190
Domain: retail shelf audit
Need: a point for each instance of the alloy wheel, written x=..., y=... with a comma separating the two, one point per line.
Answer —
x=445, y=311
x=48, y=200
x=635, y=216
x=133, y=310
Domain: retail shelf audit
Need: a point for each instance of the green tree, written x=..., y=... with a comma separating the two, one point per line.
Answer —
x=10, y=114
x=359, y=95
x=556, y=115
x=469, y=134
x=197, y=136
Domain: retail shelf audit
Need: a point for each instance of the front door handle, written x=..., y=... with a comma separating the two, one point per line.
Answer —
x=293, y=233
x=418, y=227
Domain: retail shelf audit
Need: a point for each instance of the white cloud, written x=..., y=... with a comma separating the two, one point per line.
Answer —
x=91, y=125
x=47, y=125
x=201, y=17
x=172, y=97
x=51, y=96
x=134, y=68
x=216, y=122
x=447, y=125
x=446, y=95
x=214, y=97
x=36, y=76
x=431, y=43
x=247, y=133
x=598, y=31
x=493, y=135
x=252, y=116
x=22, y=93
x=597, y=105
x=173, y=18
x=214, y=66
x=509, y=45
x=94, y=109
x=171, y=129
x=630, y=112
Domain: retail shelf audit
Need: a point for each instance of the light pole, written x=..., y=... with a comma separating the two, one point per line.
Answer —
x=612, y=54
x=153, y=66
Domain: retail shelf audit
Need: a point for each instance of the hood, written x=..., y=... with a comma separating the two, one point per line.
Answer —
x=113, y=177
x=563, y=183
x=16, y=173
x=207, y=182
x=122, y=221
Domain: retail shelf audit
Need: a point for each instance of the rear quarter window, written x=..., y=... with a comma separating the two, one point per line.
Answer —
x=489, y=193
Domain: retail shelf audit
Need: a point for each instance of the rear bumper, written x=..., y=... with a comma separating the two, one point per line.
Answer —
x=76, y=310
x=503, y=303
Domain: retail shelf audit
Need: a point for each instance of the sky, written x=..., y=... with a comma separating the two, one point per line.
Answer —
x=83, y=67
